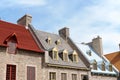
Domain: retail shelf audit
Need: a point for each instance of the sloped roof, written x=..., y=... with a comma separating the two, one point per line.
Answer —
x=24, y=38
x=94, y=56
x=42, y=36
x=114, y=58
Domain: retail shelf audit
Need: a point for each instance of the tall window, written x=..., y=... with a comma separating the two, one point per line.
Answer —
x=63, y=76
x=65, y=55
x=55, y=53
x=84, y=77
x=11, y=47
x=74, y=76
x=52, y=76
x=110, y=67
x=30, y=73
x=11, y=72
x=95, y=65
x=103, y=66
x=75, y=57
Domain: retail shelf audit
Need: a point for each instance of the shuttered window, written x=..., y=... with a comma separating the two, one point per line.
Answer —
x=63, y=76
x=52, y=76
x=30, y=73
x=11, y=72
x=74, y=76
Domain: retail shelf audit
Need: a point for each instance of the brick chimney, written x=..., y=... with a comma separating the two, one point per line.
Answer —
x=97, y=45
x=25, y=20
x=64, y=33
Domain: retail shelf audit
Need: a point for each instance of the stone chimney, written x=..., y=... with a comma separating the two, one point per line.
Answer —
x=97, y=45
x=64, y=33
x=25, y=20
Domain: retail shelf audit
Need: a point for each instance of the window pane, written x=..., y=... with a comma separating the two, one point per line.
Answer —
x=52, y=76
x=11, y=47
x=74, y=76
x=63, y=76
x=11, y=72
x=55, y=55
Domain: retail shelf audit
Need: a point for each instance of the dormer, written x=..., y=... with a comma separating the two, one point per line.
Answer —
x=58, y=42
x=103, y=66
x=89, y=52
x=48, y=40
x=11, y=42
x=55, y=53
x=110, y=67
x=94, y=65
x=65, y=55
x=75, y=56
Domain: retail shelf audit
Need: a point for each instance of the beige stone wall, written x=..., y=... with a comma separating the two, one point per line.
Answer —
x=58, y=71
x=22, y=59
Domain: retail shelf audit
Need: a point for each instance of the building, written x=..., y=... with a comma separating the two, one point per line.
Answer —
x=20, y=56
x=101, y=69
x=114, y=58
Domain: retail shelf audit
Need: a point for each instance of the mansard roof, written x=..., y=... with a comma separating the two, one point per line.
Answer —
x=42, y=36
x=23, y=36
x=85, y=48
x=114, y=58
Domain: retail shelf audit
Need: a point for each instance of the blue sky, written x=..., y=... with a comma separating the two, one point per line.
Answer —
x=86, y=18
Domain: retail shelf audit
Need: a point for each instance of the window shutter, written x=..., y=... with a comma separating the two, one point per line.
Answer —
x=11, y=72
x=30, y=73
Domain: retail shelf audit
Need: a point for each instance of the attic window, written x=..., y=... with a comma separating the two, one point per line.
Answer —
x=65, y=55
x=94, y=65
x=103, y=66
x=110, y=67
x=88, y=52
x=48, y=40
x=55, y=54
x=75, y=56
x=58, y=42
x=11, y=42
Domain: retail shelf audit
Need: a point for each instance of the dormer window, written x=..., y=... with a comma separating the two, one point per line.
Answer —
x=11, y=47
x=65, y=55
x=58, y=42
x=11, y=42
x=110, y=67
x=75, y=56
x=103, y=66
x=55, y=54
x=88, y=52
x=94, y=65
x=48, y=40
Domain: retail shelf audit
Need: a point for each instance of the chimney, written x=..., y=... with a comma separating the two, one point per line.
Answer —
x=25, y=20
x=64, y=33
x=97, y=45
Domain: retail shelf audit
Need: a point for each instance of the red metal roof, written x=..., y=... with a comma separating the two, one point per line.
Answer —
x=24, y=37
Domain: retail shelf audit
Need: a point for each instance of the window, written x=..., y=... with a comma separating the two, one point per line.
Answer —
x=110, y=67
x=75, y=58
x=95, y=65
x=58, y=42
x=55, y=54
x=11, y=72
x=74, y=76
x=84, y=77
x=52, y=76
x=103, y=66
x=88, y=52
x=65, y=55
x=11, y=47
x=30, y=73
x=48, y=40
x=63, y=76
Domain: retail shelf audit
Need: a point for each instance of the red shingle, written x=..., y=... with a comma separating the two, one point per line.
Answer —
x=25, y=39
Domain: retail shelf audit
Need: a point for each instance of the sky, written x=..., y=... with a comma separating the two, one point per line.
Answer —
x=86, y=19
